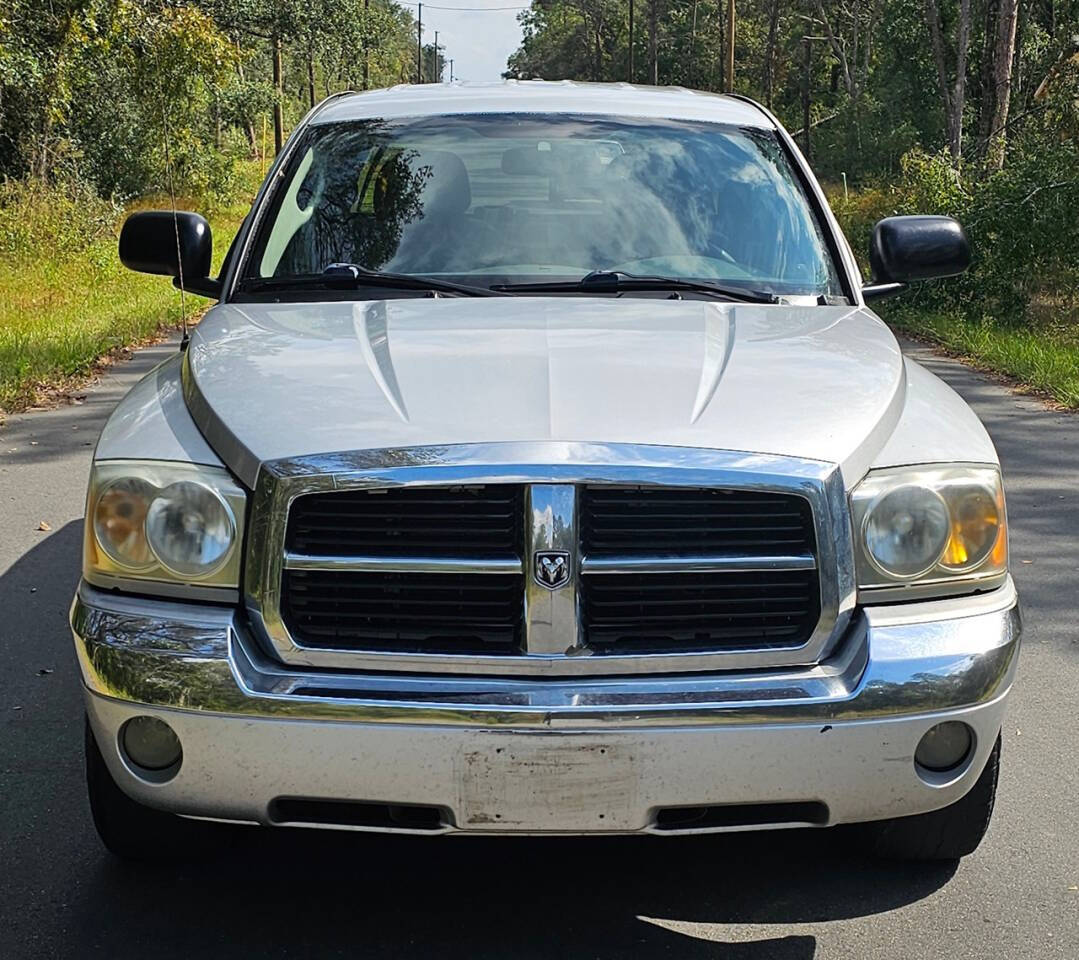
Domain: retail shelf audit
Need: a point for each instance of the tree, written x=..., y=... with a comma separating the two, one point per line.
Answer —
x=952, y=93
x=998, y=96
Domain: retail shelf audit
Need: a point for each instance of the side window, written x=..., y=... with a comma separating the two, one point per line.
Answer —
x=290, y=218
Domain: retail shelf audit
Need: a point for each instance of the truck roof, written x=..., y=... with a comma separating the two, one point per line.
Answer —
x=543, y=96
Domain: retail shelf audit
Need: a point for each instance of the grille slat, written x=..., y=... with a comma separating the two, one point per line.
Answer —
x=652, y=612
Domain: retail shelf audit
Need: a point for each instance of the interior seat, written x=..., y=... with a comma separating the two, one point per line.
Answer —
x=442, y=237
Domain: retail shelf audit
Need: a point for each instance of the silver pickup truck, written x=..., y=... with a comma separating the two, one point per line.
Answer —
x=663, y=536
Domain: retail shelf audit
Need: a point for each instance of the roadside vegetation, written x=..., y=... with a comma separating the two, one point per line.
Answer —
x=65, y=299
x=963, y=107
x=105, y=103
x=1016, y=312
x=968, y=108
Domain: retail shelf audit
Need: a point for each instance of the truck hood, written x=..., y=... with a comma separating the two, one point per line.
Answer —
x=268, y=381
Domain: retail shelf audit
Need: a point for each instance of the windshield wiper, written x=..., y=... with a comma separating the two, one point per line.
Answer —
x=616, y=281
x=349, y=276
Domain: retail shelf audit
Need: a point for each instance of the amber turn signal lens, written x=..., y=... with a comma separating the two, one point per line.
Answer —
x=119, y=522
x=975, y=527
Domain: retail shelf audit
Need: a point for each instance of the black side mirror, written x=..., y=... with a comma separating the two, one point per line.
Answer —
x=905, y=249
x=160, y=241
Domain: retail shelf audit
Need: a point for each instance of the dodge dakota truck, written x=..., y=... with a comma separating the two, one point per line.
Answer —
x=541, y=469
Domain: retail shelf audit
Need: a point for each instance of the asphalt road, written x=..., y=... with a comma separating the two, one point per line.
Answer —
x=782, y=896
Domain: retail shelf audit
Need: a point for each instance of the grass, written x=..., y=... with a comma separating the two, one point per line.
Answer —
x=61, y=315
x=1041, y=355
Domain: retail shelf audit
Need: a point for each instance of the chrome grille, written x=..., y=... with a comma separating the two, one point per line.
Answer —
x=678, y=560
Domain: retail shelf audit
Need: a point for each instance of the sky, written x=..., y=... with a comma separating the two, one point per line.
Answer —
x=478, y=41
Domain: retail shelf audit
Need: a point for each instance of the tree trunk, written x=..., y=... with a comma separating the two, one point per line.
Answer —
x=366, y=46
x=249, y=125
x=770, y=54
x=986, y=102
x=693, y=48
x=311, y=79
x=653, y=52
x=721, y=31
x=953, y=96
x=279, y=95
x=39, y=163
x=730, y=47
x=1020, y=32
x=597, y=69
x=1002, y=83
x=807, y=126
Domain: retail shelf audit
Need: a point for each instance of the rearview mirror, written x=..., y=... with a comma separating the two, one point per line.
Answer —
x=905, y=249
x=160, y=242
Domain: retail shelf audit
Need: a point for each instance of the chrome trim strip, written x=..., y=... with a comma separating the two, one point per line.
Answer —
x=200, y=658
x=552, y=618
x=157, y=589
x=717, y=563
x=558, y=463
x=306, y=561
x=936, y=589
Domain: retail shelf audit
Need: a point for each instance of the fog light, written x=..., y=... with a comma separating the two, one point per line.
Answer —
x=150, y=743
x=944, y=746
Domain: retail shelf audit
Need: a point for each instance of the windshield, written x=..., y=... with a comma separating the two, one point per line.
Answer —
x=509, y=198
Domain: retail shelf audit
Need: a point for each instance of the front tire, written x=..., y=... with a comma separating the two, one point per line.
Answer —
x=946, y=834
x=132, y=831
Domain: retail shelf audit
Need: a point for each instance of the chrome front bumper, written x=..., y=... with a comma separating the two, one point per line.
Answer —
x=548, y=755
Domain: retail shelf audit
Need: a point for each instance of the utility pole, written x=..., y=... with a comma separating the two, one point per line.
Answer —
x=631, y=70
x=419, y=45
x=806, y=103
x=653, y=45
x=279, y=94
x=366, y=52
x=438, y=66
x=730, y=46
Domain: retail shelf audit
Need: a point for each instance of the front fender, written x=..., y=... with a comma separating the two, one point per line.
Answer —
x=935, y=426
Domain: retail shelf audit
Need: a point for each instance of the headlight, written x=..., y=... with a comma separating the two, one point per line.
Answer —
x=930, y=525
x=163, y=522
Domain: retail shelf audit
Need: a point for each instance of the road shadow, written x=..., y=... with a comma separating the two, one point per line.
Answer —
x=303, y=893
x=342, y=894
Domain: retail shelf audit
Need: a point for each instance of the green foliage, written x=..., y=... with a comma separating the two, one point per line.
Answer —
x=1045, y=358
x=88, y=88
x=1023, y=221
x=109, y=104
x=40, y=220
x=65, y=299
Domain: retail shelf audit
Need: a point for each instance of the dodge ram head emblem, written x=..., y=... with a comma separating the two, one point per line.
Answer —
x=551, y=568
